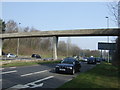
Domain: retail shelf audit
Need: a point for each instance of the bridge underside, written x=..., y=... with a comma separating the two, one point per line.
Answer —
x=63, y=33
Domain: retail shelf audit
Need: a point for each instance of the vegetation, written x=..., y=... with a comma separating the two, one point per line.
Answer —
x=114, y=8
x=2, y=26
x=40, y=45
x=23, y=63
x=102, y=76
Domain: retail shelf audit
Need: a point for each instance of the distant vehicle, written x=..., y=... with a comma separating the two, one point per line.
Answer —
x=11, y=55
x=103, y=59
x=91, y=60
x=85, y=59
x=35, y=56
x=99, y=59
x=68, y=65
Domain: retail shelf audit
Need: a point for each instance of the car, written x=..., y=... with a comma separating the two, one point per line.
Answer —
x=91, y=60
x=68, y=65
x=84, y=59
x=99, y=59
x=35, y=56
x=11, y=55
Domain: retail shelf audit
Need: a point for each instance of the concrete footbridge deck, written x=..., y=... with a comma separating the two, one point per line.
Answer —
x=61, y=33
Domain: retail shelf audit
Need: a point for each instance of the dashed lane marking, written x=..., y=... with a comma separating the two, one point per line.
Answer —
x=12, y=67
x=8, y=72
x=9, y=68
x=33, y=73
x=1, y=69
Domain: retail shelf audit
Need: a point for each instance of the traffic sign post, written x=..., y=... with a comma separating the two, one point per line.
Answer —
x=106, y=46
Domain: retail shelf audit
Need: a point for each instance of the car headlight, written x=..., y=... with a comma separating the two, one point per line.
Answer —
x=69, y=67
x=57, y=66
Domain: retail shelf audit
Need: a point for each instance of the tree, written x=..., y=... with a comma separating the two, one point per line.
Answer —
x=68, y=46
x=11, y=27
x=2, y=26
x=74, y=50
x=115, y=10
x=26, y=29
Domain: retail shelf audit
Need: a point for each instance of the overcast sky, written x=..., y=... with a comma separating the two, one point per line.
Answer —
x=46, y=16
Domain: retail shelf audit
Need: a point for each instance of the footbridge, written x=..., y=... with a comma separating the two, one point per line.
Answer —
x=60, y=33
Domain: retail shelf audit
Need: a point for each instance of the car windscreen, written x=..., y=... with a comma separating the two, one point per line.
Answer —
x=91, y=59
x=68, y=61
x=11, y=54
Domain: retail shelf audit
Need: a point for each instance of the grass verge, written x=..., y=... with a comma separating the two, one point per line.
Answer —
x=29, y=63
x=103, y=75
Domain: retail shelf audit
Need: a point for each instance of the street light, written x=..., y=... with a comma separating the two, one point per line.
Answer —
x=108, y=36
x=18, y=42
x=107, y=25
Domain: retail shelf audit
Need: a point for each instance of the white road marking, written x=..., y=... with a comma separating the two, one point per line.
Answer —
x=12, y=67
x=1, y=68
x=40, y=85
x=40, y=80
x=33, y=73
x=8, y=72
x=19, y=86
x=9, y=67
x=98, y=63
x=0, y=80
x=32, y=84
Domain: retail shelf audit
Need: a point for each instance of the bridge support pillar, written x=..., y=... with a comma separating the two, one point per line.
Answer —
x=55, y=42
x=0, y=47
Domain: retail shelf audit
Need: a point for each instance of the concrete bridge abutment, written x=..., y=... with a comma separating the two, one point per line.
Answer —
x=1, y=47
x=55, y=44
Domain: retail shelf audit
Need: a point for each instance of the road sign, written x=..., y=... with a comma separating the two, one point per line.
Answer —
x=106, y=46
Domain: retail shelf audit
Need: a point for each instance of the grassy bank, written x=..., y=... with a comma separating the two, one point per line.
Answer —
x=29, y=63
x=102, y=76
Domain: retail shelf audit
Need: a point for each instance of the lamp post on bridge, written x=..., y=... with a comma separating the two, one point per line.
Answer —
x=108, y=36
x=18, y=42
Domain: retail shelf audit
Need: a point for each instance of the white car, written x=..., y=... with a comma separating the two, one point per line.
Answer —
x=11, y=55
x=85, y=59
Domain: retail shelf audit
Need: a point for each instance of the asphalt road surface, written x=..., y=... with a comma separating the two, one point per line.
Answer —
x=37, y=76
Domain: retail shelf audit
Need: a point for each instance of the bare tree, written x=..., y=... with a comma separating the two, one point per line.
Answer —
x=115, y=10
x=26, y=29
x=119, y=14
x=11, y=27
x=62, y=48
x=68, y=46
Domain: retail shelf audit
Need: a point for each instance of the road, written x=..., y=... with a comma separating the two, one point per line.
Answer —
x=37, y=76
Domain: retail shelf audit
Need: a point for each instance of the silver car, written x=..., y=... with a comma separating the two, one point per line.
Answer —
x=11, y=55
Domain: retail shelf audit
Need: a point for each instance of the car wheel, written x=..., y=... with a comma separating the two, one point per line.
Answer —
x=73, y=72
x=56, y=70
x=78, y=70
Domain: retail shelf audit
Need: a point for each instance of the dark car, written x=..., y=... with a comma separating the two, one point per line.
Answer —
x=68, y=65
x=35, y=56
x=99, y=59
x=91, y=60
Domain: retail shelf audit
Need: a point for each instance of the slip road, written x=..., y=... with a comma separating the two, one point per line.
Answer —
x=37, y=76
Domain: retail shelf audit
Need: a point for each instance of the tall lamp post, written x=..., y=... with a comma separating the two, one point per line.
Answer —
x=18, y=42
x=108, y=36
